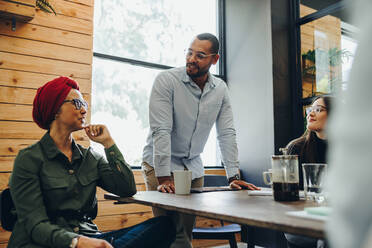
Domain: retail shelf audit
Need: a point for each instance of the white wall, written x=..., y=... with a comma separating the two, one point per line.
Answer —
x=249, y=75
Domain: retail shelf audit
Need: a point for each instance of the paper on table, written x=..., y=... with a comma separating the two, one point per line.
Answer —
x=268, y=191
x=306, y=215
x=322, y=210
x=263, y=191
x=212, y=189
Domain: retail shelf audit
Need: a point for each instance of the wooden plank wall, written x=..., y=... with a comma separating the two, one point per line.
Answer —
x=330, y=29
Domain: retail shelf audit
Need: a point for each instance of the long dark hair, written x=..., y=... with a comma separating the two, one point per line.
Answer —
x=309, y=152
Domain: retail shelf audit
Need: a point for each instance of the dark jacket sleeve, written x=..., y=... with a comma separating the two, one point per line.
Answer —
x=115, y=174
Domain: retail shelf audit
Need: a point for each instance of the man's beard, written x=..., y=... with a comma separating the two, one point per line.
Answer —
x=199, y=72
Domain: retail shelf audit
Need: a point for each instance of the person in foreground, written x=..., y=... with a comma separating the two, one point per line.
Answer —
x=53, y=183
x=185, y=103
x=349, y=182
x=311, y=148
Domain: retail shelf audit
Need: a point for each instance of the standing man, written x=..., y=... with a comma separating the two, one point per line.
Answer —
x=185, y=103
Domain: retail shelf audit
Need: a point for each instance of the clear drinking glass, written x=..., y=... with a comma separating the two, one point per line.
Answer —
x=314, y=175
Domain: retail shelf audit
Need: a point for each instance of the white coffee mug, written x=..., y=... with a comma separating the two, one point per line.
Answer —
x=182, y=181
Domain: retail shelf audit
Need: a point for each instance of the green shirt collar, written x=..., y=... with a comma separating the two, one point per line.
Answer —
x=52, y=151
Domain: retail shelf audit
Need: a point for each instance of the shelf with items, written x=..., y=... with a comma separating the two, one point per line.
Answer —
x=22, y=10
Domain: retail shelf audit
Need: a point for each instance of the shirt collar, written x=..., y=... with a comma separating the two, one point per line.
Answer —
x=52, y=151
x=186, y=79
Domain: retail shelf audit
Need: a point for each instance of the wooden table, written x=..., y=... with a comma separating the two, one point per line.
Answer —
x=237, y=207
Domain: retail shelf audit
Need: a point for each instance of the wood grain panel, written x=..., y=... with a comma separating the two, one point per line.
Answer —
x=73, y=9
x=17, y=95
x=204, y=243
x=40, y=33
x=45, y=50
x=85, y=2
x=4, y=245
x=6, y=164
x=11, y=147
x=4, y=237
x=63, y=22
x=138, y=177
x=23, y=96
x=29, y=130
x=221, y=172
x=21, y=130
x=205, y=222
x=15, y=112
x=42, y=65
x=109, y=208
x=4, y=179
x=115, y=222
x=36, y=80
x=141, y=187
x=26, y=2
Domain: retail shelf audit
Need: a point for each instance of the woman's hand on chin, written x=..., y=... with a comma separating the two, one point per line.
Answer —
x=100, y=134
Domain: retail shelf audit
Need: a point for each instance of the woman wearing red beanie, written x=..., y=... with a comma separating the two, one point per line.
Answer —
x=53, y=184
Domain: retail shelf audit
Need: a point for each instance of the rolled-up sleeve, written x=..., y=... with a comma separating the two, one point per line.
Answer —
x=28, y=200
x=226, y=136
x=161, y=122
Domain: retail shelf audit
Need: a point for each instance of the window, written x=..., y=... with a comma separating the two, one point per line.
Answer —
x=133, y=41
x=324, y=48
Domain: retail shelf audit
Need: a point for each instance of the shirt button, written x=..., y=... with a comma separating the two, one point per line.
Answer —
x=112, y=153
x=76, y=229
x=70, y=172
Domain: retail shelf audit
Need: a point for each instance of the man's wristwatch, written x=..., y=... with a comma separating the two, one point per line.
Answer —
x=74, y=242
x=235, y=177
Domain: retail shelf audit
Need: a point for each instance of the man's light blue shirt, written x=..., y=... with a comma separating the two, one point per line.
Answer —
x=181, y=118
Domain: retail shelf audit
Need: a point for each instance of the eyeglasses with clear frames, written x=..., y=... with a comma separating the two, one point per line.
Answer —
x=78, y=103
x=316, y=109
x=198, y=55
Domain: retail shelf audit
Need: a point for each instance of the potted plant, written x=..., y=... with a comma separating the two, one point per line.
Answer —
x=45, y=6
x=321, y=66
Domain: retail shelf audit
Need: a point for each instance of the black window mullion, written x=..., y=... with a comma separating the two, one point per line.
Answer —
x=131, y=61
x=323, y=12
x=222, y=38
x=296, y=79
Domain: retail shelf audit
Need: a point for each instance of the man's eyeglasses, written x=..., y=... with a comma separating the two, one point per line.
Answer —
x=316, y=109
x=198, y=55
x=78, y=103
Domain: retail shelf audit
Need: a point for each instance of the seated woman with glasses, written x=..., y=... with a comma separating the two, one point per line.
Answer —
x=311, y=147
x=53, y=184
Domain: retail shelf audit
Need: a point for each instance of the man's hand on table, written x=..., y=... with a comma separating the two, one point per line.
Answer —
x=240, y=184
x=166, y=184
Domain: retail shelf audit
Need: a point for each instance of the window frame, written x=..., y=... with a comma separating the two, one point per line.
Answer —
x=221, y=29
x=295, y=57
